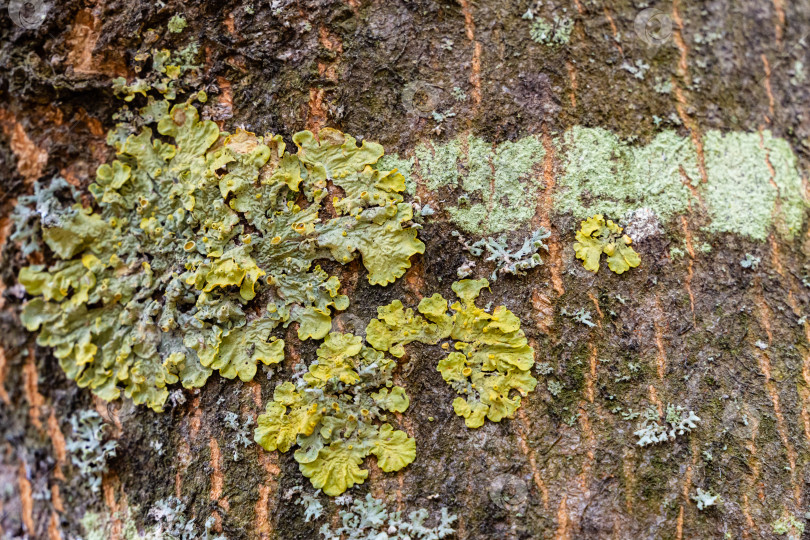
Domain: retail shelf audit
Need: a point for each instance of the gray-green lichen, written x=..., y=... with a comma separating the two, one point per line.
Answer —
x=369, y=519
x=677, y=421
x=554, y=32
x=171, y=523
x=506, y=260
x=88, y=449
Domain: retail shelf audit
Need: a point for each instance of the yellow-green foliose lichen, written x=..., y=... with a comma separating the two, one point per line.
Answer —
x=331, y=414
x=596, y=236
x=202, y=244
x=491, y=358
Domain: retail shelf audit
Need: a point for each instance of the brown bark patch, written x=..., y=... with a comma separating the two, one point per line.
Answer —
x=58, y=442
x=26, y=498
x=31, y=159
x=82, y=40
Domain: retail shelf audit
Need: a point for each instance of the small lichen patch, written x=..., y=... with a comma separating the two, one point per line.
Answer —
x=87, y=447
x=553, y=32
x=596, y=236
x=506, y=261
x=677, y=422
x=491, y=358
x=705, y=499
x=369, y=518
x=331, y=413
x=177, y=24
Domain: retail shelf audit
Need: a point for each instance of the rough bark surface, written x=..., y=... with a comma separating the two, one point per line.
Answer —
x=706, y=333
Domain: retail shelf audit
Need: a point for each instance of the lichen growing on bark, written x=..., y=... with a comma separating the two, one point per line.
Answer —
x=202, y=243
x=753, y=181
x=596, y=236
x=494, y=179
x=331, y=414
x=491, y=358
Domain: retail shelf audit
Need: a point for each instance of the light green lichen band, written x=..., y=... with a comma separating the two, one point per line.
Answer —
x=753, y=179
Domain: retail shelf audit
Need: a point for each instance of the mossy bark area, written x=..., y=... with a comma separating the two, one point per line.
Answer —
x=699, y=330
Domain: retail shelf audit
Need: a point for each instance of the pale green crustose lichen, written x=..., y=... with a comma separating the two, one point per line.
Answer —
x=790, y=525
x=553, y=32
x=752, y=183
x=498, y=176
x=491, y=358
x=600, y=173
x=331, y=412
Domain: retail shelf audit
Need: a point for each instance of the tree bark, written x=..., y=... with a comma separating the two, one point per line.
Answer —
x=699, y=330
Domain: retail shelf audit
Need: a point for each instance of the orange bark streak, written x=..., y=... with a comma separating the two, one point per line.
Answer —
x=31, y=389
x=26, y=498
x=546, y=204
x=522, y=428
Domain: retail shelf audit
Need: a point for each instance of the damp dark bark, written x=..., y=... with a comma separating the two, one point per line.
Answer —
x=702, y=331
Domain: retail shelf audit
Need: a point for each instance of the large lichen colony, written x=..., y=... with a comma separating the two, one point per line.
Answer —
x=200, y=245
x=752, y=181
x=204, y=242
